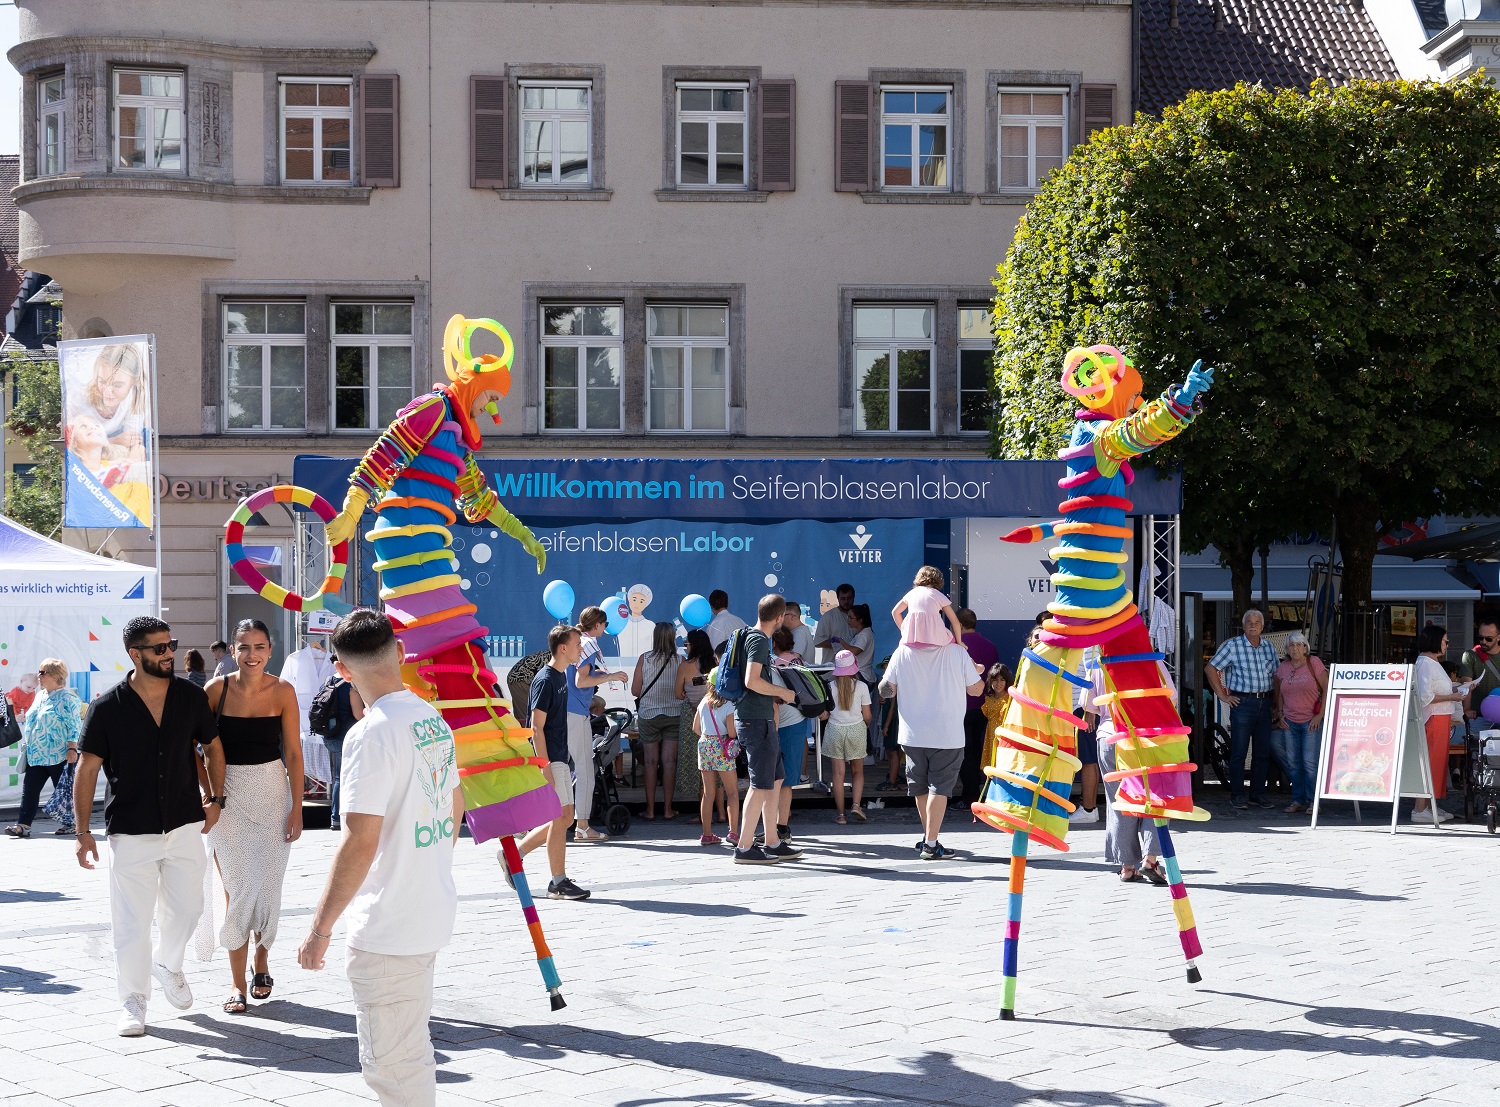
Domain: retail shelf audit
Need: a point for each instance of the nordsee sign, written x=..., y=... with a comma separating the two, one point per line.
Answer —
x=770, y=489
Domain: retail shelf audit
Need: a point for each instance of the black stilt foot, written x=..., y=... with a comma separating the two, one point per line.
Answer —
x=558, y=1003
x=1007, y=1014
x=1194, y=976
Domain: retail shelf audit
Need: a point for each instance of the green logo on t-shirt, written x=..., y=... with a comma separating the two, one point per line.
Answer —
x=434, y=743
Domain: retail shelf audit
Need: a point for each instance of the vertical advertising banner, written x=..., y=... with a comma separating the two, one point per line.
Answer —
x=109, y=456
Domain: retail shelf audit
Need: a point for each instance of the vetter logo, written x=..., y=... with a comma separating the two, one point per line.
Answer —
x=861, y=554
x=1043, y=584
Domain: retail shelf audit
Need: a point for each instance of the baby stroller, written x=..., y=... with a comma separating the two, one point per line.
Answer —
x=1482, y=777
x=607, y=747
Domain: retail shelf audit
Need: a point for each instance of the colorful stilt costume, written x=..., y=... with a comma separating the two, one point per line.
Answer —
x=1031, y=773
x=419, y=469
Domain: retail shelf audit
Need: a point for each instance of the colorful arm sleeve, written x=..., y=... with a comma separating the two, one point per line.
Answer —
x=414, y=427
x=475, y=495
x=1162, y=420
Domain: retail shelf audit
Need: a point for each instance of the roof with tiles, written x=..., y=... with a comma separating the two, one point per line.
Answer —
x=1187, y=45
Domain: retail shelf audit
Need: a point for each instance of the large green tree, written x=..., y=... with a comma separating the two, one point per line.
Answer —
x=1333, y=254
x=35, y=421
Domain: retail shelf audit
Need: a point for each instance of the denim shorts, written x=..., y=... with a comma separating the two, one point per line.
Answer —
x=762, y=750
x=793, y=741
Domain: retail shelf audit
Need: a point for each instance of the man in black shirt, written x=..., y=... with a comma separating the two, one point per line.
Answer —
x=144, y=733
x=549, y=721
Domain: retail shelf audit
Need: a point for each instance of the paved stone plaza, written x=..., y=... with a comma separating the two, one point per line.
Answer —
x=1342, y=966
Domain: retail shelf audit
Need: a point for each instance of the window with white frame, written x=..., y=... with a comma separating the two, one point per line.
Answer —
x=555, y=123
x=687, y=367
x=915, y=124
x=265, y=365
x=976, y=353
x=372, y=363
x=1033, y=135
x=317, y=120
x=51, y=97
x=711, y=135
x=582, y=354
x=148, y=120
x=893, y=364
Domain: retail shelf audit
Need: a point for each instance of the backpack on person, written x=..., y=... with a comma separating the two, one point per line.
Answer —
x=323, y=715
x=814, y=696
x=730, y=684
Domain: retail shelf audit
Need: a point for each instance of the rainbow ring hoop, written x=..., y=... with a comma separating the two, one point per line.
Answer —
x=234, y=536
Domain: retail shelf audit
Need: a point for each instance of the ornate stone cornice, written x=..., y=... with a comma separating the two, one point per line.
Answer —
x=50, y=187
x=43, y=53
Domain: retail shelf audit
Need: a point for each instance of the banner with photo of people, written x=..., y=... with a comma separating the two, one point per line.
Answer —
x=107, y=418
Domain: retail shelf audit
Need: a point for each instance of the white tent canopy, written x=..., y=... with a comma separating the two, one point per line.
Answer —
x=59, y=602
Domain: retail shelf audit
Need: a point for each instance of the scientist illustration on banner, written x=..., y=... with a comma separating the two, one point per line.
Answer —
x=108, y=418
x=641, y=573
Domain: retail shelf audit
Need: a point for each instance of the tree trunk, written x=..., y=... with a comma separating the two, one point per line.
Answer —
x=1238, y=556
x=1358, y=541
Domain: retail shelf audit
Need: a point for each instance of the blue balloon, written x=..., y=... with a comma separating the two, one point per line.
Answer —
x=616, y=611
x=557, y=597
x=695, y=611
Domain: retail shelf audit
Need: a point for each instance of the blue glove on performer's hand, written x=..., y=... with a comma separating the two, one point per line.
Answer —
x=1199, y=380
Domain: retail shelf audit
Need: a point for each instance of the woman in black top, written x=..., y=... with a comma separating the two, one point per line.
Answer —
x=260, y=730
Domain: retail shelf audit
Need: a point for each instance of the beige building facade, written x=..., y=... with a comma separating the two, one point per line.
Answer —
x=738, y=229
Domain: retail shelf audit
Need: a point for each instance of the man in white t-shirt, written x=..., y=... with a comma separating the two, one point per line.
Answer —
x=723, y=624
x=834, y=631
x=802, y=636
x=394, y=867
x=934, y=683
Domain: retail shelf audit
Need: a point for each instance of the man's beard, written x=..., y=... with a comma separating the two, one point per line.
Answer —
x=162, y=668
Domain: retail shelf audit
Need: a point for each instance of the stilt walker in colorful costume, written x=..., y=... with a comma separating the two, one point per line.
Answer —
x=1031, y=774
x=418, y=470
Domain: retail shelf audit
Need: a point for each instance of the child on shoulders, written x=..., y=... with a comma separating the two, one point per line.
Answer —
x=925, y=607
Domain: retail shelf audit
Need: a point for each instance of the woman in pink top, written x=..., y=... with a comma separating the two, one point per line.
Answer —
x=925, y=608
x=1301, y=681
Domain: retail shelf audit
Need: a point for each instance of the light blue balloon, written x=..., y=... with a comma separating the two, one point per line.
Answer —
x=557, y=597
x=616, y=611
x=695, y=611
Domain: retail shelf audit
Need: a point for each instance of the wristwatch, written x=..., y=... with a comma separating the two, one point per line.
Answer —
x=216, y=799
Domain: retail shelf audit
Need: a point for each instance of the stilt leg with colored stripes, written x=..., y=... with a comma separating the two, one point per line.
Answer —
x=1187, y=928
x=533, y=923
x=1018, y=842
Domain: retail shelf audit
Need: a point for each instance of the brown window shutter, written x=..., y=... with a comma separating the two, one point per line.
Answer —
x=853, y=125
x=380, y=129
x=1098, y=109
x=487, y=132
x=777, y=136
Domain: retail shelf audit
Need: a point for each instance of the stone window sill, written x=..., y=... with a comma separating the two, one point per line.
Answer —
x=1017, y=199
x=207, y=190
x=723, y=195
x=554, y=193
x=960, y=198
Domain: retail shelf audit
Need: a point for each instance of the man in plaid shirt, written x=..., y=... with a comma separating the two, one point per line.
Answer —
x=1240, y=674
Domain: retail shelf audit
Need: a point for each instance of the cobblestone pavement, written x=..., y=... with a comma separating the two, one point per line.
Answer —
x=1342, y=966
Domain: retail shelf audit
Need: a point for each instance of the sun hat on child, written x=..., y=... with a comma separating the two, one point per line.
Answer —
x=844, y=664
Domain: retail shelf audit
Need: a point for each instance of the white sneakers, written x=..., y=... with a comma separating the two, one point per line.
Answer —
x=174, y=986
x=1080, y=815
x=1426, y=816
x=132, y=1017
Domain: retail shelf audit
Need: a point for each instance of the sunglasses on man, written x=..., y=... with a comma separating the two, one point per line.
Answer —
x=161, y=648
x=1487, y=639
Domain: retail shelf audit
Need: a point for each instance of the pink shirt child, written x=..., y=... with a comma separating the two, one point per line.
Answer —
x=923, y=625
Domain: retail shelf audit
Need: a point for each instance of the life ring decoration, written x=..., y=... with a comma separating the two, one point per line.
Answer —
x=239, y=561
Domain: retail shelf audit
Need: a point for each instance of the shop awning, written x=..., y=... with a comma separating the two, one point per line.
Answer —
x=1477, y=543
x=1289, y=584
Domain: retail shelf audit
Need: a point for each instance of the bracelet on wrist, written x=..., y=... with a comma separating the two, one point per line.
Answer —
x=315, y=933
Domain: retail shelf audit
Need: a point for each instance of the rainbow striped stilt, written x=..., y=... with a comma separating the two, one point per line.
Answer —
x=1187, y=928
x=1018, y=843
x=533, y=922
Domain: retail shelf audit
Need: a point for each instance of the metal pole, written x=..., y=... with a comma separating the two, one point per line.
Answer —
x=156, y=474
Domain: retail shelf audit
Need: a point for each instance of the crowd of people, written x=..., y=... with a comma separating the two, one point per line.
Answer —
x=206, y=773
